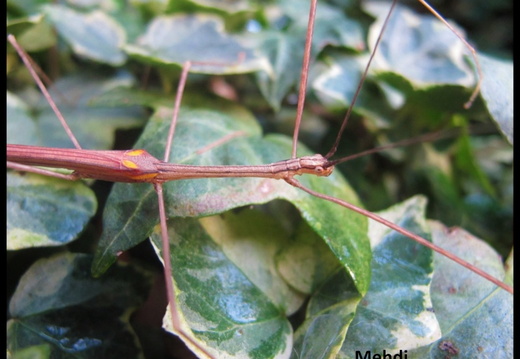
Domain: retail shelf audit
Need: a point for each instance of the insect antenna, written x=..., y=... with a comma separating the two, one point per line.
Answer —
x=334, y=147
x=467, y=105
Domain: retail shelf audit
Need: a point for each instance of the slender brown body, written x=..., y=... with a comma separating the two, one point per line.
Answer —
x=140, y=166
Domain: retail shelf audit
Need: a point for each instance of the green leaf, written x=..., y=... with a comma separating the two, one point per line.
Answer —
x=337, y=83
x=394, y=104
x=467, y=162
x=476, y=317
x=280, y=50
x=43, y=211
x=397, y=305
x=95, y=35
x=332, y=27
x=242, y=314
x=419, y=48
x=306, y=261
x=131, y=211
x=331, y=311
x=60, y=309
x=199, y=39
x=33, y=34
x=252, y=240
x=398, y=314
x=210, y=6
x=21, y=128
x=75, y=97
x=283, y=50
x=499, y=79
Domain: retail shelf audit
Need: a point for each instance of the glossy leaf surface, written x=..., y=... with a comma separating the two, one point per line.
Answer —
x=60, y=310
x=243, y=275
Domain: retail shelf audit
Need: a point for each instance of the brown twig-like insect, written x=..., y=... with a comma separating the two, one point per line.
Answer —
x=139, y=166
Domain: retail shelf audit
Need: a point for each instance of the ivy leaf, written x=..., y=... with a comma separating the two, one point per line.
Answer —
x=95, y=35
x=197, y=38
x=499, y=79
x=243, y=315
x=419, y=48
x=43, y=211
x=475, y=316
x=202, y=197
x=75, y=96
x=58, y=308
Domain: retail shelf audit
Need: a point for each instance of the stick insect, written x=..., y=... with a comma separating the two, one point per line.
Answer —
x=216, y=227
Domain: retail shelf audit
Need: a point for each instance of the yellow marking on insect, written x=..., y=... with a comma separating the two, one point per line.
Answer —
x=145, y=176
x=135, y=153
x=130, y=164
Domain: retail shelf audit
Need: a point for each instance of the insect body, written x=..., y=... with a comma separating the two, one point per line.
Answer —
x=140, y=166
